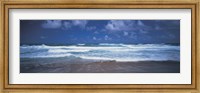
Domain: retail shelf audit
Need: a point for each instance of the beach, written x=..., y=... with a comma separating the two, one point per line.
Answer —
x=65, y=65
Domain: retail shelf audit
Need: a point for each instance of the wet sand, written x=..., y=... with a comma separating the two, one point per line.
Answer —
x=65, y=65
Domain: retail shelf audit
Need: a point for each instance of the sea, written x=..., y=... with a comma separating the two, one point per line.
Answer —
x=105, y=51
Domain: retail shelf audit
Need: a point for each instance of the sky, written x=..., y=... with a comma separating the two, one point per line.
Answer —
x=99, y=31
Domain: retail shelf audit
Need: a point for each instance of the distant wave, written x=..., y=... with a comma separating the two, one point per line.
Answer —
x=104, y=51
x=81, y=44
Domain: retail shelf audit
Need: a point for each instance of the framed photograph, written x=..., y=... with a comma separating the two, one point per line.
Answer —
x=100, y=46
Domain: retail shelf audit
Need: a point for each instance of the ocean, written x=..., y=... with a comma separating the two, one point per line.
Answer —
x=105, y=51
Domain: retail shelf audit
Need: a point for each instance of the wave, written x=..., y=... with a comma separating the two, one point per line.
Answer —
x=81, y=44
x=104, y=51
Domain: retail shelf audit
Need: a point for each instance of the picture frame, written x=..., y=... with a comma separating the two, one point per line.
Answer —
x=96, y=88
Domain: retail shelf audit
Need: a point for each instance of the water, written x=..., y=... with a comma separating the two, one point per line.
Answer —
x=103, y=51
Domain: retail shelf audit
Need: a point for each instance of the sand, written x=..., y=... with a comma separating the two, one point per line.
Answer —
x=65, y=65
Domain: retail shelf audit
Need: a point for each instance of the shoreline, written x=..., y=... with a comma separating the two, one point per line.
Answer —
x=64, y=65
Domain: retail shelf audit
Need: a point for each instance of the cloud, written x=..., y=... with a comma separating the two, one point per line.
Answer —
x=133, y=36
x=141, y=27
x=52, y=24
x=80, y=23
x=94, y=38
x=126, y=25
x=67, y=25
x=117, y=25
x=127, y=28
x=140, y=23
x=106, y=37
x=125, y=33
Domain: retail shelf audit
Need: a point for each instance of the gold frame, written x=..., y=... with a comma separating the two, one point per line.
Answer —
x=183, y=88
